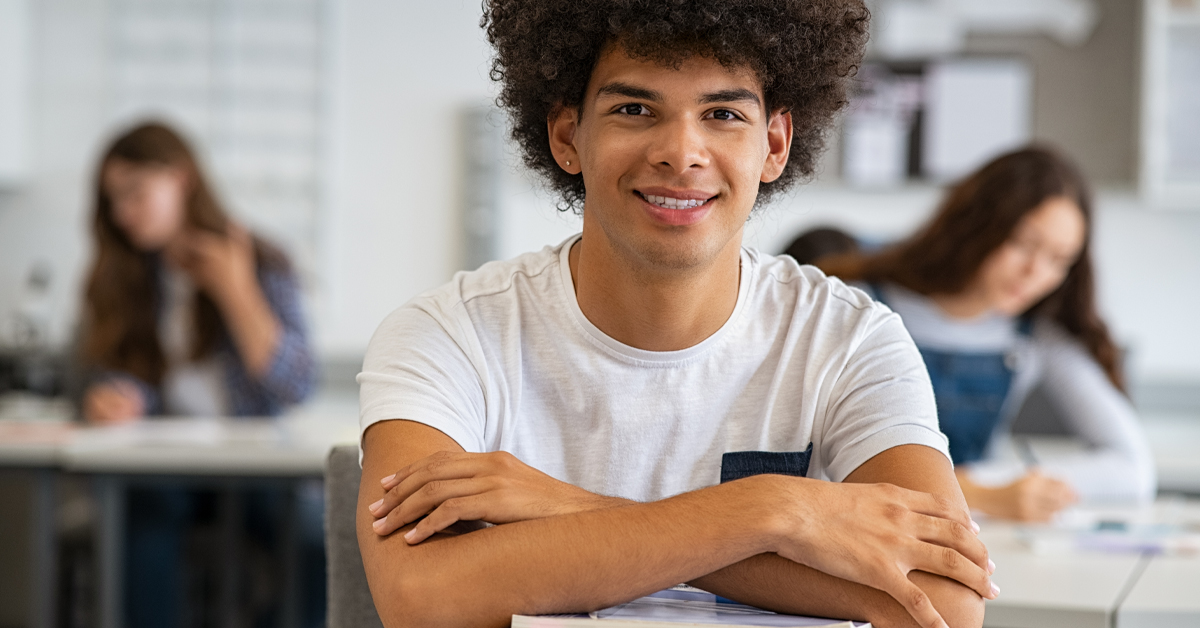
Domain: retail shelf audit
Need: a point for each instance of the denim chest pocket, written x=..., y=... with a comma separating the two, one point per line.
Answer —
x=736, y=465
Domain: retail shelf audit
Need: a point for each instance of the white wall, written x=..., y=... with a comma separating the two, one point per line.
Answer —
x=404, y=72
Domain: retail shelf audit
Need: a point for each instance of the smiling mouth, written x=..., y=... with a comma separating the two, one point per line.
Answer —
x=668, y=202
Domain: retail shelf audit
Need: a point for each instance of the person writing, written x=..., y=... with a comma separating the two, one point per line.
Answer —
x=998, y=292
x=648, y=402
x=186, y=313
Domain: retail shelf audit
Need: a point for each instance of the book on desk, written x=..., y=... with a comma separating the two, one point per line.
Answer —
x=680, y=606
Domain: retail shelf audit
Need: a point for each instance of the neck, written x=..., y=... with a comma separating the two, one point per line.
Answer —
x=653, y=309
x=965, y=304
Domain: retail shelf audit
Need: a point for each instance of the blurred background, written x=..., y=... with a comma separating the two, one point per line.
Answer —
x=360, y=137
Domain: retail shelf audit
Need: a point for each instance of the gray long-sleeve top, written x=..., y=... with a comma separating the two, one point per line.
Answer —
x=1117, y=464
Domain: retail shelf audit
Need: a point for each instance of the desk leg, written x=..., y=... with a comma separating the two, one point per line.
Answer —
x=290, y=551
x=43, y=603
x=110, y=550
x=230, y=518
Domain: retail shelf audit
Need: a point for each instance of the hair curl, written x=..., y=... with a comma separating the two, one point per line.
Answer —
x=803, y=52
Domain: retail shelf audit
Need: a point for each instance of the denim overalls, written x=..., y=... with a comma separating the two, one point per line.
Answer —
x=970, y=389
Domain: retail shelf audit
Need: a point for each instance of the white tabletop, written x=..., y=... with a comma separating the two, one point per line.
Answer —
x=1052, y=590
x=1056, y=575
x=33, y=443
x=294, y=444
x=201, y=446
x=1167, y=595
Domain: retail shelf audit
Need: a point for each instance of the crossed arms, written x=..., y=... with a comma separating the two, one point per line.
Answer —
x=859, y=549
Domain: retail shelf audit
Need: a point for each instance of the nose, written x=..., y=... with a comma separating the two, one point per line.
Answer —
x=679, y=145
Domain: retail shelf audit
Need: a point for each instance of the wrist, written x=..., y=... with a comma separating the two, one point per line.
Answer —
x=769, y=507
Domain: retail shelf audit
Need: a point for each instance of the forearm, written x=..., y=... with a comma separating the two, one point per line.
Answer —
x=254, y=328
x=775, y=583
x=577, y=562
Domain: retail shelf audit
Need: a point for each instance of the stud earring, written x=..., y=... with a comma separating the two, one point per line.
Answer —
x=568, y=163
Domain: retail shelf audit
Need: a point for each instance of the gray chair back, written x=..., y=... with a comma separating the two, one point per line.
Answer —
x=350, y=604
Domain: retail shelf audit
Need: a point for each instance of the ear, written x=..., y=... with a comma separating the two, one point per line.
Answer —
x=779, y=144
x=562, y=124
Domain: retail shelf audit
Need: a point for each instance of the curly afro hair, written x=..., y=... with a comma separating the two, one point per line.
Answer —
x=803, y=52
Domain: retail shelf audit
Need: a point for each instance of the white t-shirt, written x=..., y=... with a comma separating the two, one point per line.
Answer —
x=502, y=358
x=190, y=387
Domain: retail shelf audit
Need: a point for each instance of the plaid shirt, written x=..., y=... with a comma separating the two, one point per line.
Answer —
x=292, y=375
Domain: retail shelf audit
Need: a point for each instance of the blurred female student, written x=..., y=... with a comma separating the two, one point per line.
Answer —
x=186, y=313
x=998, y=292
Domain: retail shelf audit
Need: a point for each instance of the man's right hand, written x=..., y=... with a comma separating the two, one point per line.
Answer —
x=875, y=534
x=112, y=403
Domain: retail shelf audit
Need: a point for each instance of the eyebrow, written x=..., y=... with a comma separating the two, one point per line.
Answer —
x=732, y=95
x=626, y=90
x=629, y=91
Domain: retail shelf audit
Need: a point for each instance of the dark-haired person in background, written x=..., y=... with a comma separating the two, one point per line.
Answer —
x=649, y=403
x=185, y=314
x=820, y=242
x=998, y=292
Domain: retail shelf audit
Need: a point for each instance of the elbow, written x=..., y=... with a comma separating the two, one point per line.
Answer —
x=415, y=598
x=402, y=603
x=958, y=605
x=961, y=608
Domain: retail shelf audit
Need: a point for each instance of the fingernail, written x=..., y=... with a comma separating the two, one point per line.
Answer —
x=412, y=534
x=995, y=591
x=388, y=479
x=991, y=566
x=975, y=526
x=376, y=505
x=378, y=525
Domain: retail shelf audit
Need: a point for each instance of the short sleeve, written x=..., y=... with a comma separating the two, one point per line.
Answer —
x=883, y=398
x=416, y=369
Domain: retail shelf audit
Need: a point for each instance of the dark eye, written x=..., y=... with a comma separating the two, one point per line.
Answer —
x=632, y=109
x=724, y=114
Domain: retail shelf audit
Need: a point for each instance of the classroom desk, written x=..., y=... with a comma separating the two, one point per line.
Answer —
x=1167, y=595
x=1057, y=585
x=225, y=454
x=1069, y=590
x=32, y=449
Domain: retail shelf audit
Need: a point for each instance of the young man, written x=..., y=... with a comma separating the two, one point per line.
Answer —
x=649, y=403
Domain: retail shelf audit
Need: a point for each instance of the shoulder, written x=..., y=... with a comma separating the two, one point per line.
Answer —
x=453, y=307
x=1054, y=344
x=811, y=292
x=807, y=280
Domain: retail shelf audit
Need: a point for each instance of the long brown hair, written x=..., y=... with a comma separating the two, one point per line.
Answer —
x=120, y=326
x=976, y=217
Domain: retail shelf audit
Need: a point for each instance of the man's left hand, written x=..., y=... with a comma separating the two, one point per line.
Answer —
x=448, y=487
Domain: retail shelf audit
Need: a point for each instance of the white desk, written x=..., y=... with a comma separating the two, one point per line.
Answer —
x=1060, y=586
x=219, y=453
x=286, y=447
x=1167, y=595
x=1070, y=590
x=222, y=453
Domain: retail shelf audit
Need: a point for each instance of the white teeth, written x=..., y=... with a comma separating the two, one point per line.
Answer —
x=673, y=203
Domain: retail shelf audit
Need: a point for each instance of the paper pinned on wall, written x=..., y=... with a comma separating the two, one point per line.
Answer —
x=975, y=109
x=1183, y=106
